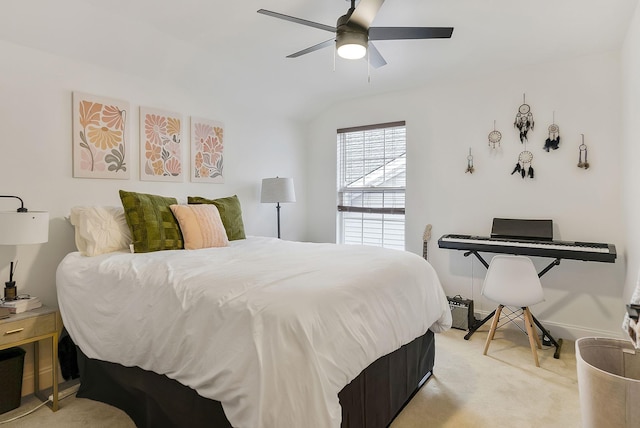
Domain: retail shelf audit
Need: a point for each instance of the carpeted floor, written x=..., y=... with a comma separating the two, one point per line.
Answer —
x=504, y=388
x=467, y=390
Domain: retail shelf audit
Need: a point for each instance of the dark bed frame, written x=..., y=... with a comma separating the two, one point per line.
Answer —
x=372, y=400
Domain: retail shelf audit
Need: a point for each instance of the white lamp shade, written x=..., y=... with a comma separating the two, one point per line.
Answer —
x=277, y=190
x=18, y=228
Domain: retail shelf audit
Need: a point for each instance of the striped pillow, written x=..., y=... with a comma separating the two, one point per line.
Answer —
x=230, y=213
x=201, y=226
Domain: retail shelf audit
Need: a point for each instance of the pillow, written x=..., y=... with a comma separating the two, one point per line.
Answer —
x=152, y=224
x=201, y=226
x=230, y=213
x=100, y=230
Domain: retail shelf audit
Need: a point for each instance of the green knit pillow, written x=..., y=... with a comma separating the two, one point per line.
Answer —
x=230, y=213
x=153, y=225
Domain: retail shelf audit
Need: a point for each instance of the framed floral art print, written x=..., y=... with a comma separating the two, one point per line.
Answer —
x=207, y=144
x=161, y=150
x=100, y=137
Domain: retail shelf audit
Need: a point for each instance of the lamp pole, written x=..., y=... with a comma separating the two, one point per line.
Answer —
x=278, y=209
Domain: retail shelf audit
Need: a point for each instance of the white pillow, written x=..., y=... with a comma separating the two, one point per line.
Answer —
x=100, y=230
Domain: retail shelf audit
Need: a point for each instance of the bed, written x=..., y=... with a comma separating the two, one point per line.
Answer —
x=259, y=333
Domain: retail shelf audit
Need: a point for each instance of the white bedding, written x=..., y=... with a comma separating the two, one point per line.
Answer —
x=272, y=329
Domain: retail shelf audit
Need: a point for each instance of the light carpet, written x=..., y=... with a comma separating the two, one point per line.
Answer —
x=467, y=389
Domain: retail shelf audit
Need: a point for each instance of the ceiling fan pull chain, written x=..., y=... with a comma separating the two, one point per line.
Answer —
x=334, y=59
x=368, y=66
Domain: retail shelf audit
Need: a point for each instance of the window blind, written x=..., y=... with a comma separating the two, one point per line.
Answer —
x=371, y=185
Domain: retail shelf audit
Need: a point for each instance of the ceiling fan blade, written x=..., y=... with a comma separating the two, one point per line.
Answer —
x=365, y=12
x=398, y=33
x=298, y=20
x=375, y=57
x=324, y=44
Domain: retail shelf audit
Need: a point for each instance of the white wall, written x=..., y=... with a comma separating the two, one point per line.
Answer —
x=631, y=148
x=445, y=119
x=35, y=160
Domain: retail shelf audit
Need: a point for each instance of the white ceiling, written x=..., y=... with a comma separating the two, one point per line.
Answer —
x=227, y=49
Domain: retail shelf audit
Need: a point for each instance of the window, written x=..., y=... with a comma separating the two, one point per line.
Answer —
x=372, y=163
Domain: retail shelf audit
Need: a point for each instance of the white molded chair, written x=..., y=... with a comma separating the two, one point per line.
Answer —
x=513, y=281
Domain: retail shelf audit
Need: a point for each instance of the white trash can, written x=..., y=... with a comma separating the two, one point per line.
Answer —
x=608, y=382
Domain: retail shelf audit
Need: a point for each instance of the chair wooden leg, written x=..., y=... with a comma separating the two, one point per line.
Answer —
x=533, y=327
x=492, y=330
x=532, y=342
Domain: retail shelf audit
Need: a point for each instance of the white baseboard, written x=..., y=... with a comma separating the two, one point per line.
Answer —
x=62, y=394
x=562, y=331
x=27, y=379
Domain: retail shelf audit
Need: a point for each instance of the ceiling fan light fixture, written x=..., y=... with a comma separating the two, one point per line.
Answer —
x=353, y=29
x=351, y=44
x=352, y=51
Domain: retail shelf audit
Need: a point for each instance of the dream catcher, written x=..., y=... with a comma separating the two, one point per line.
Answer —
x=494, y=137
x=524, y=120
x=470, y=168
x=524, y=164
x=582, y=149
x=554, y=136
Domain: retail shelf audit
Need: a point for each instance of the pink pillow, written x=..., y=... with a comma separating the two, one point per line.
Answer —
x=201, y=226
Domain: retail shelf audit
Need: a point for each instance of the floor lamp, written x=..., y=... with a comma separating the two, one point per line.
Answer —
x=278, y=190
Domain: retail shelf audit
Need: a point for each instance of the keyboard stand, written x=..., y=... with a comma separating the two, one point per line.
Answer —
x=546, y=336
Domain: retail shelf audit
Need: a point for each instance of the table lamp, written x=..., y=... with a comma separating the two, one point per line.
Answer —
x=278, y=190
x=21, y=227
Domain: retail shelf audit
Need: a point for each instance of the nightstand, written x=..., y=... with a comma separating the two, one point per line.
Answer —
x=32, y=327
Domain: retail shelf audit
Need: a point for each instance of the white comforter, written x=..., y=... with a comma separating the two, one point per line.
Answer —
x=272, y=329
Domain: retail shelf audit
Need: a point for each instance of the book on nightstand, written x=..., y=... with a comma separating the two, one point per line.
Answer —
x=21, y=305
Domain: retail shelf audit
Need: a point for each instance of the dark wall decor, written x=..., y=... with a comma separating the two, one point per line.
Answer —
x=523, y=166
x=524, y=123
x=524, y=120
x=554, y=136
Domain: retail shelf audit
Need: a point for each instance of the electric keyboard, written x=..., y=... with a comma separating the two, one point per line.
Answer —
x=527, y=238
x=586, y=251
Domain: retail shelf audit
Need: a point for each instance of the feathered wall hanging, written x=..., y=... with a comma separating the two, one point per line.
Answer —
x=553, y=141
x=470, y=167
x=523, y=166
x=494, y=137
x=524, y=120
x=582, y=150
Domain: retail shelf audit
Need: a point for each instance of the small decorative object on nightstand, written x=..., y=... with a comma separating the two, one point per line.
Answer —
x=21, y=304
x=32, y=327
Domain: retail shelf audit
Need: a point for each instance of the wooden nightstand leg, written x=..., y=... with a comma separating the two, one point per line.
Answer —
x=36, y=368
x=54, y=371
x=53, y=404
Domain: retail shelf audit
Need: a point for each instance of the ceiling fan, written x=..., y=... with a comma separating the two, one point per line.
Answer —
x=354, y=34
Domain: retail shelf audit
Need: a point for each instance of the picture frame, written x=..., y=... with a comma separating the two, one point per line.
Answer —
x=161, y=152
x=100, y=137
x=207, y=150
